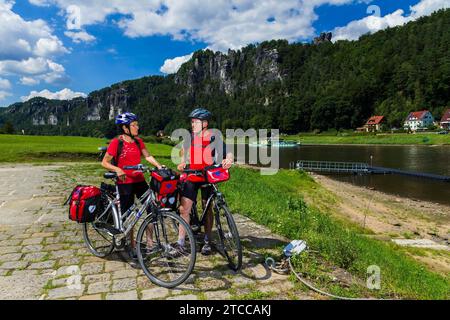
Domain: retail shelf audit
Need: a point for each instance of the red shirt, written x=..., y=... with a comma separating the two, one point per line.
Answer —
x=129, y=156
x=200, y=153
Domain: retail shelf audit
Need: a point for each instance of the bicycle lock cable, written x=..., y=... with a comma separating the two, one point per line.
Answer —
x=285, y=270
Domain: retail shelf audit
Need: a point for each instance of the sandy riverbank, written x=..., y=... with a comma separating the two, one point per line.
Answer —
x=392, y=217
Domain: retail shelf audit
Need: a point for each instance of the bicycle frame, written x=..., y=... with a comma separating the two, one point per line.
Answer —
x=125, y=221
x=214, y=194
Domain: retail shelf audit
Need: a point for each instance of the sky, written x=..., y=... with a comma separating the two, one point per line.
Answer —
x=61, y=49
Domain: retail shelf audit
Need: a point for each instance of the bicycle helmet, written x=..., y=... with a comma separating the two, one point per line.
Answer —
x=126, y=118
x=200, y=113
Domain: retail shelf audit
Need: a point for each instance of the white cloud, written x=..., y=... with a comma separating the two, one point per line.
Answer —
x=65, y=94
x=79, y=36
x=221, y=24
x=41, y=3
x=426, y=7
x=28, y=49
x=4, y=95
x=20, y=39
x=172, y=65
x=29, y=81
x=356, y=28
x=370, y=24
x=5, y=84
x=40, y=68
x=30, y=66
x=47, y=47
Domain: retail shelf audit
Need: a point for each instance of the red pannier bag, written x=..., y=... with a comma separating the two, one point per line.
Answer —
x=194, y=178
x=84, y=203
x=164, y=183
x=215, y=175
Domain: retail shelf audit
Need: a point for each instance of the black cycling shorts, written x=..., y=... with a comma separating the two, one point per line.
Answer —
x=127, y=192
x=190, y=189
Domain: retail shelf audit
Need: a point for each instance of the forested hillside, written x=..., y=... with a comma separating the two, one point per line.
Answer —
x=293, y=87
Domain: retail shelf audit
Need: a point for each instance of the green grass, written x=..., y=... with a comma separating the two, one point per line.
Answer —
x=16, y=148
x=254, y=295
x=277, y=202
x=396, y=138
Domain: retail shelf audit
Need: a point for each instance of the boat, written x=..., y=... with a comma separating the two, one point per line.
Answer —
x=280, y=143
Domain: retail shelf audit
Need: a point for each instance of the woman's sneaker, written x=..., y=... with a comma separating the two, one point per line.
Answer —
x=206, y=249
x=178, y=250
x=149, y=250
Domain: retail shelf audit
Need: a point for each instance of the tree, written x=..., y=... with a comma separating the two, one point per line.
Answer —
x=8, y=128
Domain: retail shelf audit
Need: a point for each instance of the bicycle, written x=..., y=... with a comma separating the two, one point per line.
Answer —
x=230, y=243
x=157, y=252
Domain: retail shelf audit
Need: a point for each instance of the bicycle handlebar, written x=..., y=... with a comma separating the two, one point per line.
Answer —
x=202, y=172
x=139, y=167
x=196, y=172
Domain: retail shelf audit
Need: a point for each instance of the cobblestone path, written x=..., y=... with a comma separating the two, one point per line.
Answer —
x=42, y=253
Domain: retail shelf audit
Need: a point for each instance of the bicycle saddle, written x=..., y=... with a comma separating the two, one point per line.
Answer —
x=110, y=175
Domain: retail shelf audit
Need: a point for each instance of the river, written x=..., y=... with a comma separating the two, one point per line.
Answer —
x=428, y=159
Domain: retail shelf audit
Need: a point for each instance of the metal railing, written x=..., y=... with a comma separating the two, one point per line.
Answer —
x=330, y=166
x=358, y=167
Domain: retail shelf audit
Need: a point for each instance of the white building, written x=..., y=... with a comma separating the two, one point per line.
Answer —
x=418, y=120
x=445, y=121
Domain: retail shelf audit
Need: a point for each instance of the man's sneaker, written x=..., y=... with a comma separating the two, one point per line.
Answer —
x=206, y=249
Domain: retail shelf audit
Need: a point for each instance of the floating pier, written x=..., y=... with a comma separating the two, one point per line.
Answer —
x=358, y=168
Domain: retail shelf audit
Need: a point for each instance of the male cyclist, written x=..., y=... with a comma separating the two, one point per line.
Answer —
x=202, y=149
x=126, y=150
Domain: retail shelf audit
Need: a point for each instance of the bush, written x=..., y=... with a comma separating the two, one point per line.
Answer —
x=7, y=128
x=149, y=139
x=154, y=139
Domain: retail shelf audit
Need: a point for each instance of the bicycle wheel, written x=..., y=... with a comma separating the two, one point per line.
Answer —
x=96, y=236
x=230, y=243
x=163, y=263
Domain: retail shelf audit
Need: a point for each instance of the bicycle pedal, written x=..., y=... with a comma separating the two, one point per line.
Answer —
x=108, y=228
x=112, y=230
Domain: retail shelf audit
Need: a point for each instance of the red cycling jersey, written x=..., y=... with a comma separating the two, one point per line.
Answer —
x=129, y=156
x=200, y=153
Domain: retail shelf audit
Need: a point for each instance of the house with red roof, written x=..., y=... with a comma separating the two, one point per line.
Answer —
x=418, y=120
x=374, y=124
x=445, y=121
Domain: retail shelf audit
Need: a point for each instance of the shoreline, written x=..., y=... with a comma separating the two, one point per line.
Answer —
x=364, y=144
x=375, y=144
x=391, y=209
x=422, y=226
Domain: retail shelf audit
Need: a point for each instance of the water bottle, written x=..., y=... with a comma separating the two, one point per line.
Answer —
x=131, y=219
x=295, y=247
